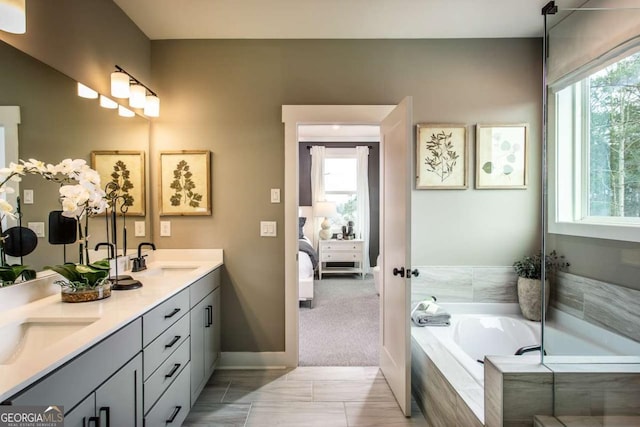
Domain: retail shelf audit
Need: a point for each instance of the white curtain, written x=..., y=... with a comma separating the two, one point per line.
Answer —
x=318, y=154
x=362, y=225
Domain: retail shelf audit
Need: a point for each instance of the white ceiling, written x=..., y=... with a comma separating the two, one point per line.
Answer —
x=338, y=19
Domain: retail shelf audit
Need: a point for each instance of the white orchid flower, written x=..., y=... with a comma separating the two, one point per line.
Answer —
x=6, y=208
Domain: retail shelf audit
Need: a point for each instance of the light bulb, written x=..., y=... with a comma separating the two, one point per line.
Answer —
x=119, y=84
x=13, y=16
x=86, y=92
x=137, y=96
x=108, y=103
x=152, y=106
x=125, y=112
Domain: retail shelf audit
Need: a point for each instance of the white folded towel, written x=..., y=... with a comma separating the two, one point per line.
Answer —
x=428, y=313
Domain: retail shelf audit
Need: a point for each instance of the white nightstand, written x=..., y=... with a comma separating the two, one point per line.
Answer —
x=341, y=251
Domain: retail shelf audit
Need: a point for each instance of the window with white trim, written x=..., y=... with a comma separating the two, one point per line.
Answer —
x=341, y=185
x=597, y=154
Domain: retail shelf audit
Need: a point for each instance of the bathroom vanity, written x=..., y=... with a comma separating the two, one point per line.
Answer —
x=140, y=357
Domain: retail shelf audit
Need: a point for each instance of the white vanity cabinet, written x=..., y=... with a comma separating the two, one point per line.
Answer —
x=205, y=330
x=103, y=382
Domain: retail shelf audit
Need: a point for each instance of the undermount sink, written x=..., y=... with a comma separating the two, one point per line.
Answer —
x=167, y=270
x=33, y=335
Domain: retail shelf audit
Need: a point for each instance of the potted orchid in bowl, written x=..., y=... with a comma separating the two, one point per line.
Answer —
x=81, y=197
x=83, y=282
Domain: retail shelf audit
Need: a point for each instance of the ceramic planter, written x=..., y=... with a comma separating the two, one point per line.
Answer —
x=529, y=297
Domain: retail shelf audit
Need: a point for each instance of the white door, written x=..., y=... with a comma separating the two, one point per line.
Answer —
x=395, y=240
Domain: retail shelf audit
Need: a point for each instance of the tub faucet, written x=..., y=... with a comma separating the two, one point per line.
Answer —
x=111, y=246
x=140, y=263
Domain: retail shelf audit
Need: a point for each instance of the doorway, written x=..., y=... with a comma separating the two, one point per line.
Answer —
x=339, y=170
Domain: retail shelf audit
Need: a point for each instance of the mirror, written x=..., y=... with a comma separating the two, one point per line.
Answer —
x=57, y=124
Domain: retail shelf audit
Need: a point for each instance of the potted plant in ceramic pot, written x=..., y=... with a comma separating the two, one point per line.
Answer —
x=83, y=282
x=529, y=271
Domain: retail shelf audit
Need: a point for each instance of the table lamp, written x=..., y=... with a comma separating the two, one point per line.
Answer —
x=326, y=210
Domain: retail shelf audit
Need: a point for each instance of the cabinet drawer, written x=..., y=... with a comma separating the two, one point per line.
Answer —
x=203, y=286
x=341, y=256
x=342, y=246
x=163, y=346
x=172, y=408
x=164, y=315
x=162, y=378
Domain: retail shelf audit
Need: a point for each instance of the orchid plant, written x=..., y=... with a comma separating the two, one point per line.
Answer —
x=80, y=191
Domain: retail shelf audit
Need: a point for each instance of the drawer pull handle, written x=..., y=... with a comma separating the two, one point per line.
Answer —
x=108, y=416
x=173, y=370
x=174, y=415
x=173, y=341
x=173, y=313
x=209, y=315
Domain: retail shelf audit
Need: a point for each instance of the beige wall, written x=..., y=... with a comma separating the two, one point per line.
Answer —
x=226, y=96
x=84, y=40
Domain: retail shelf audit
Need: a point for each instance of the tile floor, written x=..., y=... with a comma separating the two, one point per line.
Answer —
x=305, y=396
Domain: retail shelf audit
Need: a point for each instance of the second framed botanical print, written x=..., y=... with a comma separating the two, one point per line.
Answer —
x=501, y=156
x=125, y=169
x=441, y=152
x=185, y=179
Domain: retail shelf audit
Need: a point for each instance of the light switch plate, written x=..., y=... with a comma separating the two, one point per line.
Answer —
x=140, y=229
x=37, y=227
x=268, y=229
x=165, y=228
x=275, y=195
x=27, y=197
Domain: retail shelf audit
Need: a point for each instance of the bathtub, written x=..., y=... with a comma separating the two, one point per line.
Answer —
x=485, y=329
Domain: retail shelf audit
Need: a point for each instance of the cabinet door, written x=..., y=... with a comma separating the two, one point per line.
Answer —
x=213, y=346
x=82, y=415
x=199, y=320
x=119, y=400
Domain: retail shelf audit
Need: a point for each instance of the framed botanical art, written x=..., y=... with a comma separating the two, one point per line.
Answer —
x=501, y=156
x=185, y=183
x=441, y=153
x=125, y=169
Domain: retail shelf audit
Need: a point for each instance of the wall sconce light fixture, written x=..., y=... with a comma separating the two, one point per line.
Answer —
x=86, y=92
x=125, y=112
x=124, y=85
x=108, y=103
x=13, y=16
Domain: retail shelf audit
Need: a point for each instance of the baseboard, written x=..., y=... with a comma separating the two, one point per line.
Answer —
x=252, y=360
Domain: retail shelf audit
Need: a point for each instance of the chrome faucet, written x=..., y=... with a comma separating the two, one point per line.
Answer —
x=139, y=263
x=111, y=246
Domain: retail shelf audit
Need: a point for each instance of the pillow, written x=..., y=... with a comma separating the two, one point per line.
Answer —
x=301, y=222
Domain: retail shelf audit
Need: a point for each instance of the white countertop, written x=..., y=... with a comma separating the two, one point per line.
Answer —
x=111, y=313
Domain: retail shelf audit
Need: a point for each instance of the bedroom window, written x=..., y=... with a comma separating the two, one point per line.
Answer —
x=340, y=186
x=597, y=171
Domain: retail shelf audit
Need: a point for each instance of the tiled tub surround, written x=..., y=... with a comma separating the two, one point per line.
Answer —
x=606, y=305
x=465, y=284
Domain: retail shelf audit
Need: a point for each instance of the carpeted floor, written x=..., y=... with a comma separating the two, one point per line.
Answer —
x=342, y=328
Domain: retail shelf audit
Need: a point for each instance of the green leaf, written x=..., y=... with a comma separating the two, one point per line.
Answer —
x=505, y=146
x=507, y=169
x=487, y=167
x=511, y=158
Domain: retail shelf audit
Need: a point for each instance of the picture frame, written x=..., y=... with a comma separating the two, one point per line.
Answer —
x=185, y=182
x=441, y=157
x=127, y=169
x=501, y=156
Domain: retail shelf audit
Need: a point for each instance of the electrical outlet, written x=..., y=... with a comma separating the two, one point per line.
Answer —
x=275, y=195
x=165, y=228
x=139, y=231
x=27, y=197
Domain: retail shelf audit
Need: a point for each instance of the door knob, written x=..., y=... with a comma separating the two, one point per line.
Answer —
x=398, y=271
x=414, y=272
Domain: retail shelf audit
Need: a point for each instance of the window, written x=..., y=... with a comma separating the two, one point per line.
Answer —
x=597, y=169
x=341, y=185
